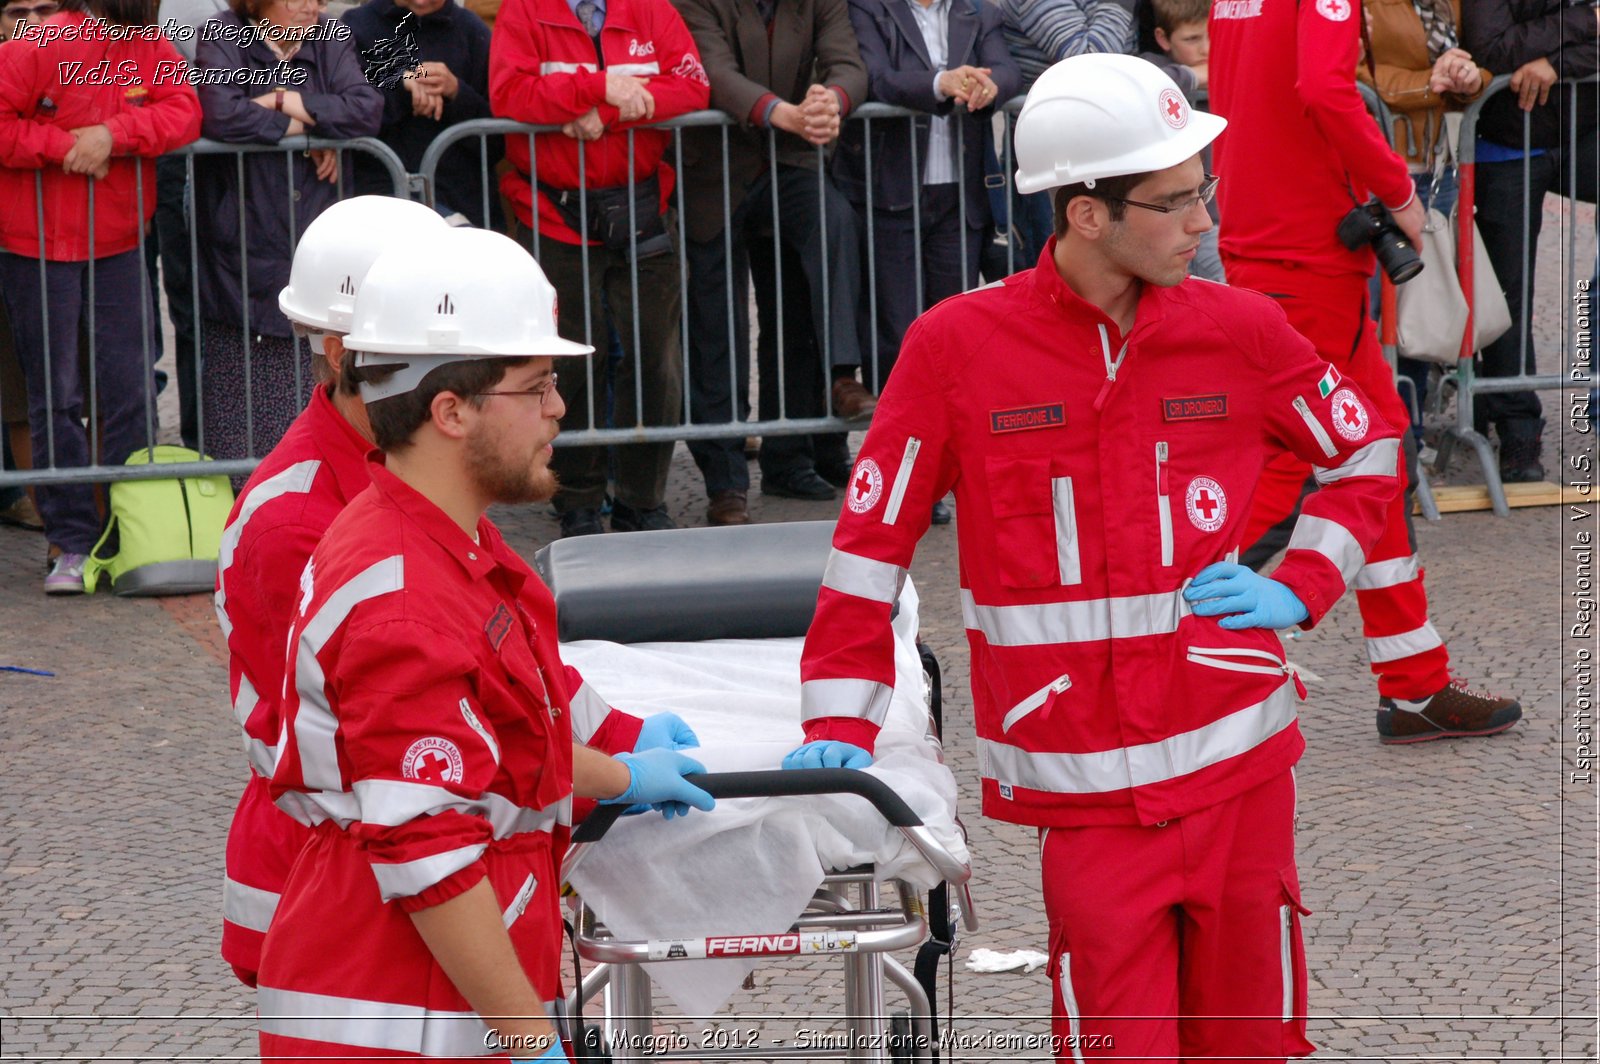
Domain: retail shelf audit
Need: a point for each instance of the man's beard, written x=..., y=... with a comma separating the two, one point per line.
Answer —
x=507, y=481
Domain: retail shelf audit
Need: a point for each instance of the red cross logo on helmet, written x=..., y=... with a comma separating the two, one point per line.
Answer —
x=1174, y=108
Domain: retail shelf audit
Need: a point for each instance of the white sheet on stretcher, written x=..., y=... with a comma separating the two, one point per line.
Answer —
x=752, y=864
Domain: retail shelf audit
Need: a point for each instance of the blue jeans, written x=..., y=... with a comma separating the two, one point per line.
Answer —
x=124, y=335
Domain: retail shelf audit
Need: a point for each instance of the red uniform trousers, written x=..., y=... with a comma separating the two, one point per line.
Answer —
x=361, y=972
x=262, y=845
x=1406, y=653
x=1179, y=941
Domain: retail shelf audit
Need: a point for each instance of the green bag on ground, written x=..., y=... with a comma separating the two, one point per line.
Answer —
x=164, y=535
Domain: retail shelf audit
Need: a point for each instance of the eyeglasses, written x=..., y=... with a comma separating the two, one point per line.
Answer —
x=1207, y=192
x=19, y=11
x=545, y=389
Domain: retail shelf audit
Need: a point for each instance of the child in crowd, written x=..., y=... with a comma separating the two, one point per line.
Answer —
x=1182, y=36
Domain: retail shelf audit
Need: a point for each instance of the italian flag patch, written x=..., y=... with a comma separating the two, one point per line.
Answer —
x=1330, y=381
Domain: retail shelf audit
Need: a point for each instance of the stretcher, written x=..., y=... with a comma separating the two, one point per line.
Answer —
x=708, y=623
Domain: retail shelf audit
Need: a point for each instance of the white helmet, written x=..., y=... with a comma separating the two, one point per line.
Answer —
x=455, y=295
x=337, y=249
x=1099, y=115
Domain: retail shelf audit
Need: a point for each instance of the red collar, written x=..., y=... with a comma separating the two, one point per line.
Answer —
x=478, y=560
x=1047, y=282
x=342, y=447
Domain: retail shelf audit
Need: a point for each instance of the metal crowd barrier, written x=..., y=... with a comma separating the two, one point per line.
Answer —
x=45, y=469
x=1469, y=383
x=784, y=424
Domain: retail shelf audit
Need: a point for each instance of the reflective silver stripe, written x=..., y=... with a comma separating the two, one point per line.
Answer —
x=248, y=906
x=1323, y=439
x=635, y=70
x=568, y=68
x=1070, y=1001
x=1331, y=540
x=1035, y=700
x=1147, y=763
x=1392, y=573
x=1286, y=958
x=390, y=803
x=314, y=722
x=902, y=480
x=519, y=903
x=589, y=711
x=1394, y=647
x=867, y=578
x=409, y=878
x=294, y=480
x=483, y=733
x=1086, y=621
x=371, y=1024
x=244, y=703
x=263, y=758
x=1380, y=458
x=1067, y=559
x=866, y=699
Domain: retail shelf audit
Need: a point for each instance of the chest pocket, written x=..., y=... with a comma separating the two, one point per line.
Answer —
x=1035, y=523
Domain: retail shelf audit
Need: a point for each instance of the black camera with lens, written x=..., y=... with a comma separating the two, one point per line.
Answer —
x=1371, y=223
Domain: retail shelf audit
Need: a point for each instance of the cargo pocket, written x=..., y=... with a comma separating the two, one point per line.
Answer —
x=1292, y=960
x=1068, y=1025
x=1023, y=505
x=519, y=901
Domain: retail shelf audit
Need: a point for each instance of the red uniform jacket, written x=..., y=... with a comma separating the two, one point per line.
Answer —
x=135, y=87
x=1086, y=508
x=278, y=520
x=544, y=70
x=427, y=735
x=1300, y=149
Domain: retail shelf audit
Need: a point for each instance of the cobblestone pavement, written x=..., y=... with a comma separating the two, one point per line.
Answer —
x=1453, y=883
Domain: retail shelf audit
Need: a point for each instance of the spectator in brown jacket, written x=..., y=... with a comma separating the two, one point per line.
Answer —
x=787, y=69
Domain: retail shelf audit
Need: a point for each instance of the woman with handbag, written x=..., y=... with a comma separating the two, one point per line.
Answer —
x=1418, y=68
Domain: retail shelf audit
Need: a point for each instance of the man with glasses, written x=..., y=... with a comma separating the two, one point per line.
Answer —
x=14, y=14
x=1283, y=75
x=1102, y=421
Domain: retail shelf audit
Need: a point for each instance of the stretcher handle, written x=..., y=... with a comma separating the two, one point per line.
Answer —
x=771, y=784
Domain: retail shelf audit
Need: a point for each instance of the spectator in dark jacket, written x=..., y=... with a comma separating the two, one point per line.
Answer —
x=947, y=58
x=305, y=78
x=55, y=138
x=449, y=84
x=1537, y=42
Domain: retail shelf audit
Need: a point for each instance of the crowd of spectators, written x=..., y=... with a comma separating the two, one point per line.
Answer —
x=846, y=229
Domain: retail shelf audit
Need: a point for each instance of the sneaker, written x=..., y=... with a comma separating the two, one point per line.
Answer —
x=66, y=575
x=1453, y=713
x=584, y=521
x=625, y=518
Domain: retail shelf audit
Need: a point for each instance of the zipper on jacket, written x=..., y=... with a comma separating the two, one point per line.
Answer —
x=1228, y=658
x=1286, y=958
x=902, y=480
x=1067, y=554
x=1035, y=700
x=1321, y=434
x=1069, y=1000
x=1163, y=504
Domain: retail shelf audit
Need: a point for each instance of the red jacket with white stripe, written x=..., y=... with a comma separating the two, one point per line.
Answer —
x=279, y=518
x=1283, y=75
x=47, y=90
x=427, y=735
x=544, y=70
x=1086, y=507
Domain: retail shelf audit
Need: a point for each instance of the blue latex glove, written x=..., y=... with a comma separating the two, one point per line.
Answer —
x=827, y=754
x=656, y=780
x=665, y=731
x=554, y=1053
x=1253, y=600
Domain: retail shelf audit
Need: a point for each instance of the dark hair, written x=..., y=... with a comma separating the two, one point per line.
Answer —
x=1170, y=14
x=119, y=12
x=1110, y=190
x=396, y=419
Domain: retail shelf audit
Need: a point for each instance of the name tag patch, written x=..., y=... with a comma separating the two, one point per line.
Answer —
x=498, y=627
x=1049, y=416
x=1194, y=407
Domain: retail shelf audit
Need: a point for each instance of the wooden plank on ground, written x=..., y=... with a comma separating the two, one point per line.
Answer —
x=1456, y=498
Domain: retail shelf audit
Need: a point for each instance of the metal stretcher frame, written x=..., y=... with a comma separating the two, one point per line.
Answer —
x=847, y=917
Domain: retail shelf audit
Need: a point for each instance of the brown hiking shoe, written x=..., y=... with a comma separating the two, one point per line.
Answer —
x=1455, y=712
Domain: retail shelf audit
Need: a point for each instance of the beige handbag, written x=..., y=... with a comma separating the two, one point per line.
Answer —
x=1431, y=308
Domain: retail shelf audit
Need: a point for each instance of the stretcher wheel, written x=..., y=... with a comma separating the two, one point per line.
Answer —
x=901, y=1047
